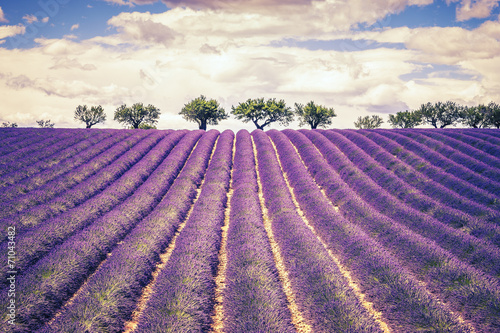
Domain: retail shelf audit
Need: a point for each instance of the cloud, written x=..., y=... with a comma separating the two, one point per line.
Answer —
x=140, y=27
x=2, y=17
x=11, y=30
x=75, y=26
x=469, y=9
x=131, y=3
x=30, y=19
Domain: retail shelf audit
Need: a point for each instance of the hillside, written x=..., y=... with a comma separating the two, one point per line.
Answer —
x=276, y=231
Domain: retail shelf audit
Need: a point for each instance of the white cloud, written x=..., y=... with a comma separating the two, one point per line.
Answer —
x=131, y=3
x=75, y=26
x=11, y=30
x=469, y=9
x=3, y=19
x=30, y=18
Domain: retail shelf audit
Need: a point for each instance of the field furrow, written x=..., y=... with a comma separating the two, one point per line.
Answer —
x=371, y=178
x=60, y=273
x=412, y=177
x=447, y=277
x=97, y=195
x=321, y=291
x=479, y=253
x=400, y=297
x=57, y=158
x=108, y=299
x=21, y=189
x=464, y=148
x=454, y=155
x=444, y=164
x=437, y=174
x=143, y=231
x=37, y=151
x=253, y=298
x=182, y=298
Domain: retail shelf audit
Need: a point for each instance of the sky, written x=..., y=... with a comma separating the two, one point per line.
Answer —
x=359, y=57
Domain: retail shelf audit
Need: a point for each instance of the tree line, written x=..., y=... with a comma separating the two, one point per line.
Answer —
x=206, y=112
x=263, y=112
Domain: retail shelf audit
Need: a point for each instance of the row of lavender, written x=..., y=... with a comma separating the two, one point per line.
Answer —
x=454, y=265
x=380, y=234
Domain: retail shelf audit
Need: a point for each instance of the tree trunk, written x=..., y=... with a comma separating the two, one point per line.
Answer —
x=89, y=126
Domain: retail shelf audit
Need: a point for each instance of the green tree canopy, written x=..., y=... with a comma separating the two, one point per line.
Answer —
x=405, y=119
x=137, y=114
x=368, y=122
x=475, y=116
x=493, y=114
x=263, y=113
x=440, y=114
x=91, y=116
x=45, y=123
x=203, y=112
x=314, y=115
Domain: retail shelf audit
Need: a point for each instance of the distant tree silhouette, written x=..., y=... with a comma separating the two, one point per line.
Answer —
x=45, y=123
x=9, y=124
x=368, y=122
x=314, y=115
x=91, y=116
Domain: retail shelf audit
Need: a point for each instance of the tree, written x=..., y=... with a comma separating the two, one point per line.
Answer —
x=45, y=123
x=368, y=122
x=314, y=115
x=146, y=126
x=137, y=114
x=475, y=116
x=9, y=124
x=405, y=119
x=493, y=114
x=203, y=112
x=256, y=110
x=440, y=114
x=91, y=116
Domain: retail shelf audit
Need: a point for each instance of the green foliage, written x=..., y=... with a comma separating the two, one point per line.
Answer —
x=405, y=119
x=137, y=114
x=45, y=123
x=368, y=122
x=314, y=115
x=475, y=116
x=440, y=114
x=203, y=112
x=493, y=114
x=146, y=126
x=9, y=124
x=263, y=113
x=91, y=116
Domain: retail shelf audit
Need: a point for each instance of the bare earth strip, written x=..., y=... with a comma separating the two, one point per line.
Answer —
x=354, y=286
x=298, y=319
x=220, y=279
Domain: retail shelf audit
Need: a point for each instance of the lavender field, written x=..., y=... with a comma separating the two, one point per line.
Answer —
x=276, y=231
